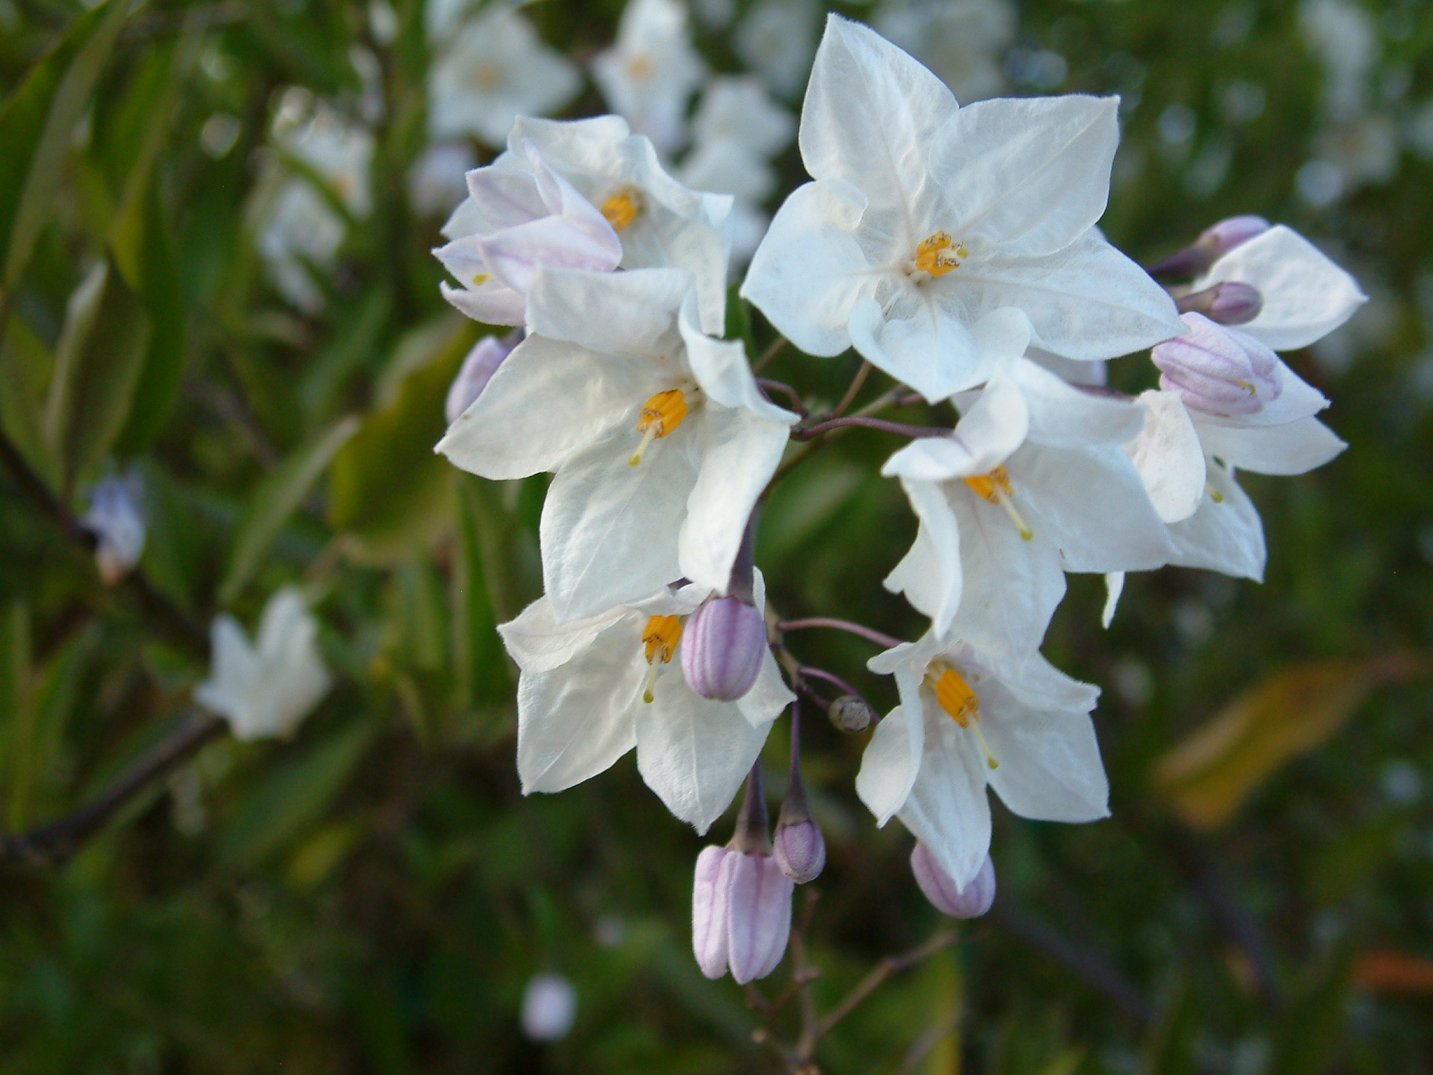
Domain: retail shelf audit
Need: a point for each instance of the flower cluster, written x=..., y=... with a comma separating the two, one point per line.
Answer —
x=956, y=250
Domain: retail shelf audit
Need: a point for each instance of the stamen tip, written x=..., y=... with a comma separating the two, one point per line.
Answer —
x=1026, y=534
x=648, y=697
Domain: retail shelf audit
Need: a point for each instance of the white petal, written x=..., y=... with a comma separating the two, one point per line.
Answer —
x=930, y=572
x=722, y=371
x=871, y=111
x=768, y=695
x=547, y=400
x=1114, y=586
x=539, y=642
x=1292, y=448
x=891, y=762
x=1169, y=457
x=1224, y=535
x=1026, y=176
x=991, y=429
x=1088, y=301
x=631, y=313
x=738, y=454
x=809, y=270
x=1306, y=296
x=919, y=343
x=948, y=809
x=694, y=752
x=609, y=530
x=1063, y=416
x=1050, y=768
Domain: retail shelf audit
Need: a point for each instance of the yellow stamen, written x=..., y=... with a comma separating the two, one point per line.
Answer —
x=1214, y=494
x=660, y=416
x=960, y=702
x=997, y=488
x=481, y=278
x=659, y=641
x=640, y=66
x=937, y=254
x=622, y=208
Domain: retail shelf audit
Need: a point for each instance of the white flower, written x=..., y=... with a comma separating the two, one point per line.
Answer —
x=523, y=215
x=777, y=38
x=493, y=71
x=116, y=519
x=961, y=41
x=649, y=74
x=1305, y=295
x=436, y=180
x=592, y=689
x=659, y=436
x=549, y=1007
x=968, y=719
x=266, y=690
x=939, y=240
x=1032, y=482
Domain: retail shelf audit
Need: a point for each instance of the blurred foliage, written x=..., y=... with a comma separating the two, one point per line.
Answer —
x=373, y=894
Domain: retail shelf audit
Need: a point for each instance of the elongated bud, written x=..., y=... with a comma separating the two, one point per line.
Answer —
x=116, y=519
x=478, y=368
x=945, y=895
x=709, y=912
x=758, y=914
x=850, y=714
x=722, y=648
x=1216, y=370
x=1229, y=303
x=1213, y=243
x=798, y=847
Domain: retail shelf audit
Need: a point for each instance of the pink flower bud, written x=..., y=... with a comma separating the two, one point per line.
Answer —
x=741, y=914
x=940, y=888
x=799, y=849
x=1230, y=232
x=723, y=644
x=1217, y=370
x=1229, y=303
x=478, y=368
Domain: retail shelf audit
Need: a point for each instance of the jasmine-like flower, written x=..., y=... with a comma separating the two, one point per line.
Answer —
x=969, y=719
x=494, y=69
x=939, y=240
x=659, y=436
x=116, y=519
x=649, y=74
x=266, y=689
x=592, y=689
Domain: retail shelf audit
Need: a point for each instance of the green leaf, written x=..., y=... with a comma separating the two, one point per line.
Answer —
x=275, y=499
x=391, y=494
x=28, y=367
x=1207, y=777
x=480, y=665
x=97, y=366
x=18, y=712
x=36, y=128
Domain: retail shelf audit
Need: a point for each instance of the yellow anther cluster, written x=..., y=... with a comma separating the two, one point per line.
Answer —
x=953, y=693
x=660, y=638
x=660, y=415
x=938, y=253
x=481, y=278
x=991, y=486
x=621, y=209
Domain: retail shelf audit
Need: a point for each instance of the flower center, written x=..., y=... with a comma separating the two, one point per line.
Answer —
x=938, y=253
x=622, y=208
x=640, y=66
x=660, y=415
x=954, y=695
x=487, y=76
x=996, y=487
x=659, y=642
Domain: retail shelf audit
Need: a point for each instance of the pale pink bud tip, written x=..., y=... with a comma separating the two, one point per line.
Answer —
x=741, y=914
x=549, y=1007
x=800, y=850
x=1217, y=370
x=722, y=648
x=1229, y=303
x=478, y=368
x=945, y=895
x=1230, y=232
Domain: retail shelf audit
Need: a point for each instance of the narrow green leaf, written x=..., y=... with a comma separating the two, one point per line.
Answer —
x=97, y=366
x=28, y=366
x=275, y=499
x=480, y=665
x=36, y=127
x=18, y=712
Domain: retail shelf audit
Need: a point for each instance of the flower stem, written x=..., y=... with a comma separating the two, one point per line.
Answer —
x=868, y=633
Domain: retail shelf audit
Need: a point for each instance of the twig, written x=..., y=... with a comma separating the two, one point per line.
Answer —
x=903, y=429
x=56, y=842
x=853, y=389
x=922, y=1046
x=870, y=634
x=775, y=348
x=886, y=968
x=806, y=671
x=769, y=385
x=1093, y=967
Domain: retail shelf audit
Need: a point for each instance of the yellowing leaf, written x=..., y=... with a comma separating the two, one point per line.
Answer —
x=1207, y=777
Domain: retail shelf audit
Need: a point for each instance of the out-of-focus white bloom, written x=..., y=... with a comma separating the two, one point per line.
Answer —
x=549, y=1007
x=1343, y=36
x=478, y=368
x=297, y=226
x=266, y=689
x=592, y=689
x=660, y=222
x=494, y=70
x=1032, y=482
x=778, y=38
x=968, y=719
x=116, y=519
x=938, y=240
x=437, y=182
x=659, y=436
x=651, y=71
x=961, y=41
x=524, y=215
